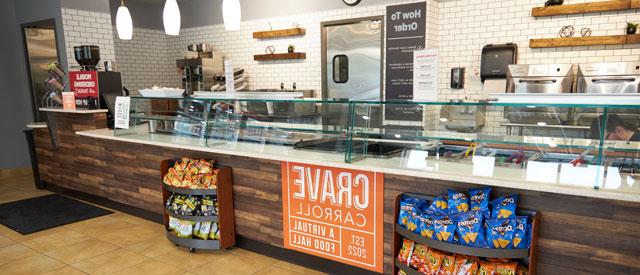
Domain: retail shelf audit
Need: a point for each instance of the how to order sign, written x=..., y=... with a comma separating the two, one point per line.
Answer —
x=334, y=213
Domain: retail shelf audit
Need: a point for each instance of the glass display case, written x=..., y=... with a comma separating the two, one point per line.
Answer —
x=567, y=145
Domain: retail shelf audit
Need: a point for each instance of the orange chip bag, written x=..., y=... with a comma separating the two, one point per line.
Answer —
x=419, y=257
x=486, y=268
x=506, y=268
x=522, y=270
x=434, y=261
x=405, y=252
x=448, y=265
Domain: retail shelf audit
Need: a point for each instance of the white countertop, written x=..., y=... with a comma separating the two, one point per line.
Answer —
x=37, y=125
x=76, y=111
x=568, y=181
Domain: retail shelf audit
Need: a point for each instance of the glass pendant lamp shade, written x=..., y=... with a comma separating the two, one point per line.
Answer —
x=171, y=17
x=124, y=24
x=231, y=13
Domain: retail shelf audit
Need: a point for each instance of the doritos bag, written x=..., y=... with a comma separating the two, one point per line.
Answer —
x=419, y=257
x=521, y=236
x=500, y=232
x=434, y=261
x=414, y=220
x=439, y=205
x=458, y=202
x=486, y=268
x=444, y=228
x=479, y=199
x=406, y=207
x=405, y=252
x=506, y=268
x=448, y=265
x=504, y=207
x=470, y=229
x=426, y=226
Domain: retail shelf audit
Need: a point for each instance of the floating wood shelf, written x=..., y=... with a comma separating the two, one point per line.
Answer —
x=279, y=56
x=279, y=33
x=592, y=7
x=585, y=41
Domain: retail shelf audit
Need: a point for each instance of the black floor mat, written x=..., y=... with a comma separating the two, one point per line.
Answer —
x=41, y=213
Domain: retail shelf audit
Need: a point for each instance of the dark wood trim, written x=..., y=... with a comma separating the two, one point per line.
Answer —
x=135, y=211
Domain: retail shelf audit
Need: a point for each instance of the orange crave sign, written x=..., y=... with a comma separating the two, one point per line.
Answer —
x=334, y=213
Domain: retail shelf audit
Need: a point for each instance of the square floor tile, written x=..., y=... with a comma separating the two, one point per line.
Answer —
x=110, y=262
x=79, y=251
x=36, y=264
x=151, y=267
x=15, y=252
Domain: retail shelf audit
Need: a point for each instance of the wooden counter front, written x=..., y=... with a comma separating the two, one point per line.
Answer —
x=578, y=235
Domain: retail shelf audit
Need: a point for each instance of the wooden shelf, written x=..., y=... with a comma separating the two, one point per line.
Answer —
x=585, y=41
x=592, y=7
x=279, y=56
x=279, y=33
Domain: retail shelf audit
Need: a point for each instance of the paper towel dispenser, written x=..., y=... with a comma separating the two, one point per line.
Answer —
x=496, y=59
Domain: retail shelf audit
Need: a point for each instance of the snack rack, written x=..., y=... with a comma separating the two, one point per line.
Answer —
x=225, y=218
x=529, y=256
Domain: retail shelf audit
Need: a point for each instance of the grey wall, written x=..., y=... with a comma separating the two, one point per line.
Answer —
x=15, y=101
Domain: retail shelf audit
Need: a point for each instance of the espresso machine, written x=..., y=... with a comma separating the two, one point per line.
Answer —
x=199, y=68
x=94, y=88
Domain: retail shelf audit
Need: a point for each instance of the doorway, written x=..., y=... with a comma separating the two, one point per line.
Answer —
x=41, y=50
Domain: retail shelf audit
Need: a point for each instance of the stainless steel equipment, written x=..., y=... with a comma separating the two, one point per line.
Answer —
x=352, y=64
x=41, y=50
x=607, y=78
x=539, y=79
x=198, y=72
x=463, y=118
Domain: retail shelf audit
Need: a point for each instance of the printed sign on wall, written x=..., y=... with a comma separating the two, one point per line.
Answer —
x=406, y=29
x=334, y=213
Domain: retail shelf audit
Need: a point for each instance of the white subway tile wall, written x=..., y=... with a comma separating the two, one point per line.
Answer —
x=87, y=28
x=144, y=60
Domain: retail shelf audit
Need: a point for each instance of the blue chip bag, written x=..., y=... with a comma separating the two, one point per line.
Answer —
x=407, y=204
x=458, y=202
x=500, y=233
x=521, y=236
x=470, y=229
x=426, y=226
x=414, y=220
x=479, y=199
x=504, y=207
x=439, y=205
x=444, y=228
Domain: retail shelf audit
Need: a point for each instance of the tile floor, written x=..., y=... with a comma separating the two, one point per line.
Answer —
x=116, y=244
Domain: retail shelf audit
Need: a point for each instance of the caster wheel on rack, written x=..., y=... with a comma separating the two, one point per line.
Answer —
x=192, y=250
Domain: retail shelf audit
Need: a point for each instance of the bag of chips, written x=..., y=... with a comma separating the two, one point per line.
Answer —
x=506, y=268
x=208, y=206
x=214, y=233
x=479, y=199
x=418, y=257
x=444, y=228
x=414, y=221
x=434, y=261
x=401, y=272
x=204, y=228
x=173, y=223
x=184, y=229
x=486, y=268
x=439, y=205
x=458, y=202
x=521, y=236
x=407, y=206
x=500, y=232
x=522, y=270
x=405, y=252
x=470, y=229
x=504, y=207
x=426, y=227
x=448, y=265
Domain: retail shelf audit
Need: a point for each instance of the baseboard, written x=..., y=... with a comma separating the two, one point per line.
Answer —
x=6, y=173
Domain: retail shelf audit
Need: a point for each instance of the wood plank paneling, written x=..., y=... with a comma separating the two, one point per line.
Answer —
x=590, y=7
x=578, y=235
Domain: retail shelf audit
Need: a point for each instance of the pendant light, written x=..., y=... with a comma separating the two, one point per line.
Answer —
x=171, y=17
x=124, y=24
x=231, y=13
